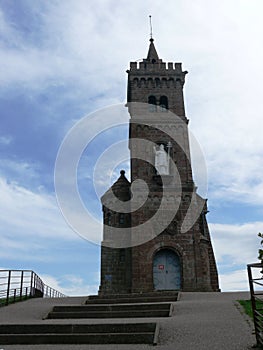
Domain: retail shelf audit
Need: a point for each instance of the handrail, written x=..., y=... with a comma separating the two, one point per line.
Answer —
x=256, y=299
x=18, y=285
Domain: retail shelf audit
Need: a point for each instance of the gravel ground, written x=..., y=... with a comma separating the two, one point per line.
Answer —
x=200, y=321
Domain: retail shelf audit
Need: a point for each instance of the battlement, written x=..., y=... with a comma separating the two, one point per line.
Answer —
x=145, y=66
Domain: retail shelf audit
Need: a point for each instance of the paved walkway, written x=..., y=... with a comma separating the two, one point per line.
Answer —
x=201, y=321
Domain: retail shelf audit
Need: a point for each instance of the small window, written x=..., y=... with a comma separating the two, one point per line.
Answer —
x=109, y=221
x=121, y=218
x=122, y=255
x=164, y=103
x=157, y=82
x=152, y=103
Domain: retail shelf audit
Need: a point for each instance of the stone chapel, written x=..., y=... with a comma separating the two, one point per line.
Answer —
x=164, y=243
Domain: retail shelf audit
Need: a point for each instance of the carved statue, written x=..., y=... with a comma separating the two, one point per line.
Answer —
x=161, y=160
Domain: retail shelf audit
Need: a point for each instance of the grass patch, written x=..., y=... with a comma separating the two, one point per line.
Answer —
x=248, y=307
x=13, y=300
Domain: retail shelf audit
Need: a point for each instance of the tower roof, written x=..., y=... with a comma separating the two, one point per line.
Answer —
x=152, y=53
x=120, y=188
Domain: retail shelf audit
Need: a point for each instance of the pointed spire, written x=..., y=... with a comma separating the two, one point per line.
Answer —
x=151, y=27
x=152, y=53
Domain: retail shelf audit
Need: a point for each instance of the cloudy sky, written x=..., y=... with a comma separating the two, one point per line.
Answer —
x=62, y=60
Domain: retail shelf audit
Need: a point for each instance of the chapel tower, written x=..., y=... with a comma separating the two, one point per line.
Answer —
x=165, y=238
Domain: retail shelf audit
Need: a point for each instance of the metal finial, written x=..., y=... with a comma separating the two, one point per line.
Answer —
x=151, y=28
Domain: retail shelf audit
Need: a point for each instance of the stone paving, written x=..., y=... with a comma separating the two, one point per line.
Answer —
x=200, y=321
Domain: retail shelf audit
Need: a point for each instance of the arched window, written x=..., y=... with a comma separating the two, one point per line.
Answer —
x=136, y=81
x=164, y=103
x=157, y=82
x=109, y=221
x=150, y=82
x=143, y=82
x=122, y=255
x=152, y=103
x=121, y=218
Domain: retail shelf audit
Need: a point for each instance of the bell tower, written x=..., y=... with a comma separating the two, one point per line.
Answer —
x=169, y=241
x=165, y=83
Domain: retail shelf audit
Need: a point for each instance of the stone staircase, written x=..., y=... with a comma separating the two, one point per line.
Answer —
x=111, y=311
x=154, y=297
x=122, y=333
x=64, y=323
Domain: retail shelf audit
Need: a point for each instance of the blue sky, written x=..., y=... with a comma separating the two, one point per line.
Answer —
x=62, y=60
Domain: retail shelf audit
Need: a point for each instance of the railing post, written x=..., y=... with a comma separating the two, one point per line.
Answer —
x=42, y=289
x=252, y=298
x=32, y=282
x=8, y=287
x=21, y=284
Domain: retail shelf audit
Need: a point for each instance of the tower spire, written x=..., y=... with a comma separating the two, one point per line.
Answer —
x=152, y=53
x=151, y=28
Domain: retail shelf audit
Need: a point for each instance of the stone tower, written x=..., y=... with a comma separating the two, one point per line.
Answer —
x=156, y=235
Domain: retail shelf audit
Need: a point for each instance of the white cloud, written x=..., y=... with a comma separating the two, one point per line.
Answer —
x=5, y=140
x=223, y=94
x=234, y=281
x=71, y=43
x=233, y=149
x=70, y=285
x=20, y=170
x=30, y=222
x=36, y=213
x=235, y=246
x=237, y=280
x=238, y=243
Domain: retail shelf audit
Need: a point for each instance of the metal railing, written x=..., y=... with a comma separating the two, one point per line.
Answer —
x=17, y=285
x=255, y=277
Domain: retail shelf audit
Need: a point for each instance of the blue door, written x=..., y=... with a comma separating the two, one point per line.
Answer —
x=166, y=270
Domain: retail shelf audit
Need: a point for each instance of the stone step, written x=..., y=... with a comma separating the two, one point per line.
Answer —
x=132, y=300
x=111, y=307
x=120, y=333
x=113, y=314
x=111, y=311
x=165, y=293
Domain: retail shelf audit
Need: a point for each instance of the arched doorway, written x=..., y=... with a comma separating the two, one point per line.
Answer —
x=166, y=270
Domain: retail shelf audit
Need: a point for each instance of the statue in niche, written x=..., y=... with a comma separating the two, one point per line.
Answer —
x=161, y=160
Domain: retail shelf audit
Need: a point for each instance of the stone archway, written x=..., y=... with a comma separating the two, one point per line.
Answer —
x=166, y=270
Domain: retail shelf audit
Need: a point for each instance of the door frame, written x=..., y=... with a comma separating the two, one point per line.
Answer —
x=180, y=261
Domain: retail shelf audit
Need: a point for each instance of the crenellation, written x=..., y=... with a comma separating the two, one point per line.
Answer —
x=133, y=66
x=170, y=66
x=142, y=66
x=178, y=67
x=167, y=68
